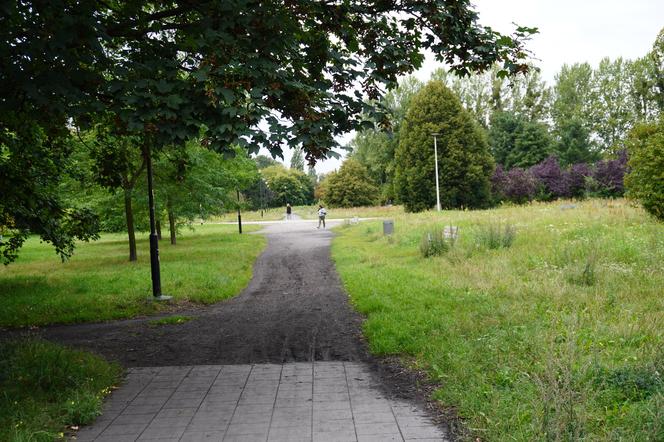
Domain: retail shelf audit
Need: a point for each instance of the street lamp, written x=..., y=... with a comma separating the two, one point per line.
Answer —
x=435, y=154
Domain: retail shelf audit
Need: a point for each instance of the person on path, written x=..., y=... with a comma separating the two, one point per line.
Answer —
x=321, y=216
x=289, y=210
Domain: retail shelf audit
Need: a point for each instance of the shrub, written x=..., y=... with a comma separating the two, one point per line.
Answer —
x=645, y=181
x=609, y=175
x=434, y=243
x=521, y=186
x=499, y=182
x=551, y=179
x=576, y=179
x=494, y=236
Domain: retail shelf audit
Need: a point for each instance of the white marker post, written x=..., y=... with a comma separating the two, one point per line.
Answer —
x=435, y=154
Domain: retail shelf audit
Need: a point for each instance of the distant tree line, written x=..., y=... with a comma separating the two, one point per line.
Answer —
x=510, y=140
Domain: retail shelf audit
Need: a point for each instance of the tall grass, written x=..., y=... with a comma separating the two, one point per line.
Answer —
x=47, y=388
x=558, y=337
x=208, y=264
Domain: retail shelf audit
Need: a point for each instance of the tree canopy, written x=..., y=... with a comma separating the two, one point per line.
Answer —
x=248, y=73
x=464, y=161
x=351, y=186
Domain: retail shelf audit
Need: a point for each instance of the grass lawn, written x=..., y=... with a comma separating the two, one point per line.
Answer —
x=271, y=214
x=311, y=212
x=47, y=388
x=98, y=283
x=558, y=337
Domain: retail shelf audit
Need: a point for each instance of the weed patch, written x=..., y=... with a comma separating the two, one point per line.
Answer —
x=494, y=236
x=435, y=243
x=47, y=388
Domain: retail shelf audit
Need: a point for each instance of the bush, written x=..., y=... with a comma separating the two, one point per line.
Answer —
x=521, y=186
x=576, y=179
x=608, y=177
x=551, y=179
x=434, y=243
x=499, y=183
x=493, y=236
x=645, y=181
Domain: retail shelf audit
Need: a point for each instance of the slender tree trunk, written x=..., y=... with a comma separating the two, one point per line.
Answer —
x=129, y=215
x=158, y=229
x=171, y=225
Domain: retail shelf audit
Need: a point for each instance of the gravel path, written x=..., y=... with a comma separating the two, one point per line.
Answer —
x=294, y=309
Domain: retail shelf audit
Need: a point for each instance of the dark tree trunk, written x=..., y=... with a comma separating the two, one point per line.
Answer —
x=158, y=223
x=171, y=225
x=129, y=215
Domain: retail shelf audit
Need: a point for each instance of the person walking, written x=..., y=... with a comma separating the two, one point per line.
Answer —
x=321, y=216
x=289, y=210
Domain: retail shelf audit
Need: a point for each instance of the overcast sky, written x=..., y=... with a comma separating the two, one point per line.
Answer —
x=570, y=31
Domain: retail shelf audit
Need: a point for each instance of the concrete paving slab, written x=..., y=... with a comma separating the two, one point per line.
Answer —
x=303, y=401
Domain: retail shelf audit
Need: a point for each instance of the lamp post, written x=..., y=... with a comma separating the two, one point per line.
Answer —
x=435, y=155
x=154, y=241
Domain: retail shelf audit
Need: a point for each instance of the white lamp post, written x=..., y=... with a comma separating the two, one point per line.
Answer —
x=435, y=154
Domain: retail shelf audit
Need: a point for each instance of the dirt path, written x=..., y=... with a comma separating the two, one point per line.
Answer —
x=293, y=310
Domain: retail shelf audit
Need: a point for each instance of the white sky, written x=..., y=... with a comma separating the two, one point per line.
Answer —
x=570, y=31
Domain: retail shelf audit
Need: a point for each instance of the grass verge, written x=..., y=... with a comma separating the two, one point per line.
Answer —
x=47, y=388
x=208, y=264
x=311, y=212
x=558, y=337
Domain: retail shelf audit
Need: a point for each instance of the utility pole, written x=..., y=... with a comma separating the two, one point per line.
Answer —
x=435, y=155
x=154, y=240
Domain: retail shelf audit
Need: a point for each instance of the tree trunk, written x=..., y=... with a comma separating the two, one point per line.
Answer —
x=129, y=215
x=171, y=225
x=158, y=223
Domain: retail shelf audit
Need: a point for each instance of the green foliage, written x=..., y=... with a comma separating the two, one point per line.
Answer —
x=170, y=72
x=464, y=161
x=494, y=236
x=517, y=142
x=297, y=161
x=573, y=144
x=656, y=72
x=574, y=98
x=645, y=180
x=46, y=388
x=351, y=186
x=374, y=148
x=263, y=161
x=195, y=183
x=613, y=112
x=434, y=243
x=32, y=166
x=486, y=93
x=289, y=186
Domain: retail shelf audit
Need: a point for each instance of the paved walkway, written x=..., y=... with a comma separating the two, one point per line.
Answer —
x=302, y=401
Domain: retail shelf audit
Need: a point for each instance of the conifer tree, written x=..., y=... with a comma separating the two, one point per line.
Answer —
x=464, y=161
